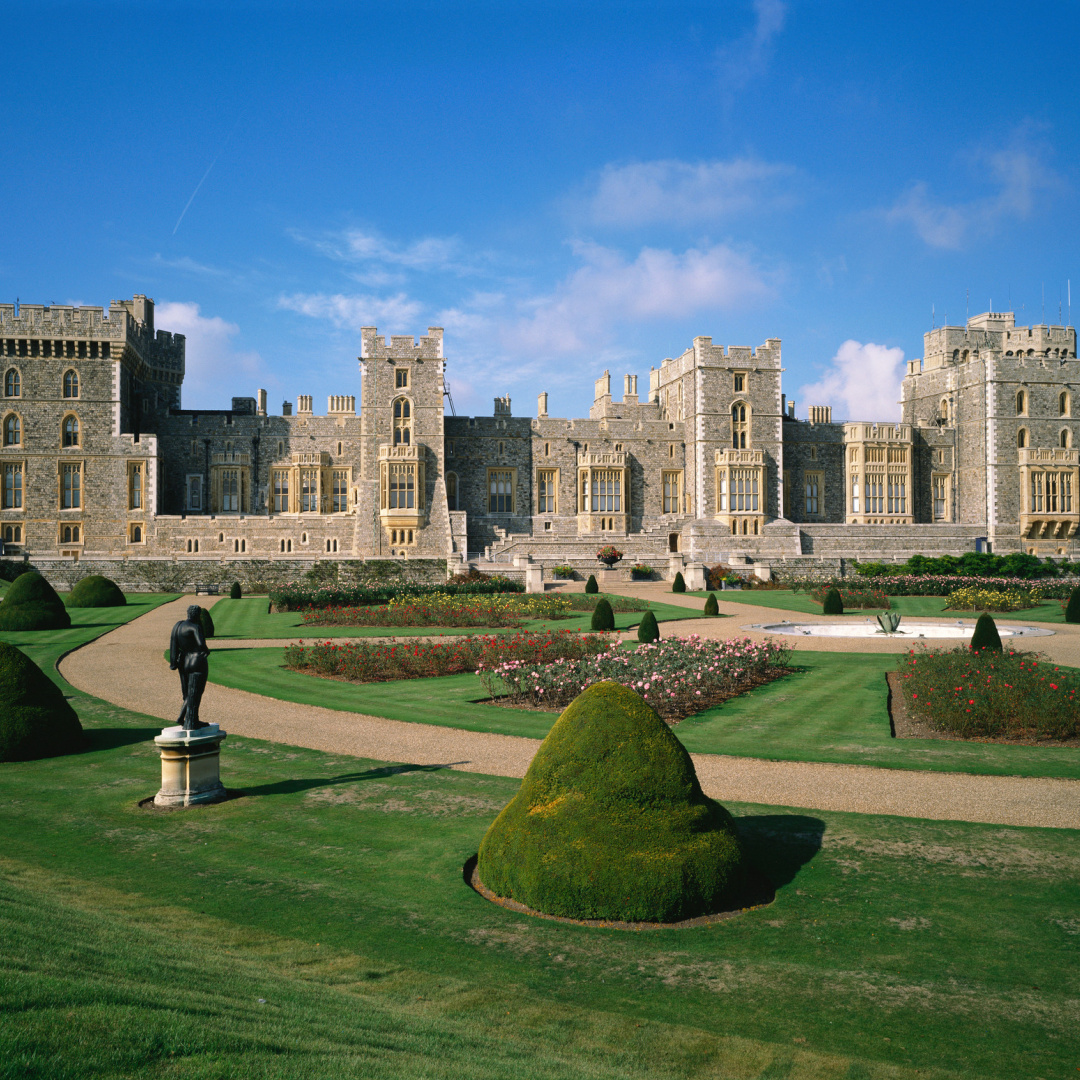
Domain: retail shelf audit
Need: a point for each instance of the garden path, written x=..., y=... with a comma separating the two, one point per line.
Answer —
x=127, y=668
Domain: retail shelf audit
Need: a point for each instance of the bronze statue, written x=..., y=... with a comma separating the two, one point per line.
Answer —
x=188, y=652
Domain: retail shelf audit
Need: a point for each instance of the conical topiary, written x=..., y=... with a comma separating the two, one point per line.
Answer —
x=235, y=592
x=1072, y=609
x=610, y=821
x=678, y=585
x=591, y=586
x=647, y=629
x=986, y=634
x=206, y=623
x=834, y=603
x=35, y=719
x=96, y=591
x=711, y=606
x=603, y=618
x=31, y=603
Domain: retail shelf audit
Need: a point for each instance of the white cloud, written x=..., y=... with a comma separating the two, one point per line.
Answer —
x=862, y=383
x=744, y=59
x=210, y=351
x=1018, y=174
x=682, y=192
x=353, y=312
x=438, y=253
x=588, y=306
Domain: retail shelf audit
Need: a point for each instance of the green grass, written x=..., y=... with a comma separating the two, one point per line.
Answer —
x=1049, y=611
x=833, y=708
x=250, y=618
x=139, y=944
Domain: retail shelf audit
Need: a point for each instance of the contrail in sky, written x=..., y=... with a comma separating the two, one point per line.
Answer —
x=205, y=175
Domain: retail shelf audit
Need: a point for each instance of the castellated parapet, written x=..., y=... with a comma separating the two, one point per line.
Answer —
x=712, y=462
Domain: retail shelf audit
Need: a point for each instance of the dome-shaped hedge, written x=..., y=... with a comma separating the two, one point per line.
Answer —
x=31, y=603
x=603, y=618
x=96, y=591
x=1072, y=609
x=679, y=584
x=647, y=629
x=611, y=822
x=591, y=586
x=834, y=603
x=35, y=719
x=986, y=634
x=711, y=606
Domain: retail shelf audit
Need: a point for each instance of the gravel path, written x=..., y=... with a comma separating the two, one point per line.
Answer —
x=126, y=667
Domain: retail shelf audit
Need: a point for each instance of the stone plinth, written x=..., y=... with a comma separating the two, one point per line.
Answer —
x=694, y=576
x=534, y=578
x=190, y=766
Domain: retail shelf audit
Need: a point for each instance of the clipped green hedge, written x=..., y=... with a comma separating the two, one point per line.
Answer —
x=610, y=821
x=296, y=597
x=1072, y=609
x=603, y=618
x=711, y=606
x=834, y=603
x=35, y=719
x=235, y=593
x=591, y=586
x=206, y=622
x=96, y=591
x=648, y=630
x=31, y=603
x=986, y=634
x=678, y=585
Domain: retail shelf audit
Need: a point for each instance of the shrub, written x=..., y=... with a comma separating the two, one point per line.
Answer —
x=591, y=586
x=96, y=591
x=35, y=719
x=206, y=622
x=581, y=602
x=647, y=629
x=31, y=603
x=1072, y=609
x=641, y=570
x=565, y=570
x=986, y=634
x=509, y=610
x=610, y=821
x=1007, y=695
x=851, y=596
x=711, y=606
x=833, y=604
x=678, y=677
x=972, y=598
x=379, y=661
x=678, y=585
x=235, y=592
x=297, y=597
x=603, y=618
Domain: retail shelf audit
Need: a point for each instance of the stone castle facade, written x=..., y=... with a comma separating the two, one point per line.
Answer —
x=98, y=460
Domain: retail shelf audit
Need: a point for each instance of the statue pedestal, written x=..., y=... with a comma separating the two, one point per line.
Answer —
x=189, y=766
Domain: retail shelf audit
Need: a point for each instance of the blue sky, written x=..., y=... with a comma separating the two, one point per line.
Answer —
x=565, y=187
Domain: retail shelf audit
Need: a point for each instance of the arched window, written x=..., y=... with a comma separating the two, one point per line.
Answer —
x=12, y=383
x=451, y=491
x=955, y=355
x=1021, y=439
x=136, y=534
x=71, y=384
x=740, y=425
x=12, y=429
x=1064, y=403
x=402, y=422
x=943, y=410
x=1021, y=403
x=70, y=431
x=1065, y=438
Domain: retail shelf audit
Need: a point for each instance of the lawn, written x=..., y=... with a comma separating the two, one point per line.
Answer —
x=833, y=707
x=1049, y=611
x=319, y=926
x=250, y=618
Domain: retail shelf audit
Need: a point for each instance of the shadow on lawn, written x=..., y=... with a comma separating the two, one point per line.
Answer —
x=291, y=787
x=103, y=738
x=780, y=845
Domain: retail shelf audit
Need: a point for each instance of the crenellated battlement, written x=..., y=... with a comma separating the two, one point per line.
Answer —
x=401, y=347
x=995, y=332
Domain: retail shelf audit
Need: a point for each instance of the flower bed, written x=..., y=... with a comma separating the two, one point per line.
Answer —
x=974, y=598
x=440, y=610
x=852, y=596
x=677, y=676
x=588, y=601
x=641, y=571
x=943, y=584
x=297, y=597
x=1009, y=695
x=370, y=661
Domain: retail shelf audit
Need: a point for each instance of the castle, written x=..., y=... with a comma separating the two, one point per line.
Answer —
x=99, y=461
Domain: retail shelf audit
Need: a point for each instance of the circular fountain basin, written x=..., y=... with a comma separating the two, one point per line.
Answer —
x=906, y=630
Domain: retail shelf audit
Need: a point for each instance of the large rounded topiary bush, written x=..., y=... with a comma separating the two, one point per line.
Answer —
x=35, y=719
x=603, y=618
x=31, y=603
x=647, y=629
x=834, y=603
x=610, y=821
x=235, y=593
x=678, y=585
x=711, y=606
x=96, y=591
x=1072, y=609
x=591, y=586
x=986, y=634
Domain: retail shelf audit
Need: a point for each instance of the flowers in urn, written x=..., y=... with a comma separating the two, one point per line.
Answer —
x=609, y=555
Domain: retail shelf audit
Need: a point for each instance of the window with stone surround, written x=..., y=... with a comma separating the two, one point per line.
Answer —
x=813, y=493
x=672, y=492
x=606, y=496
x=12, y=533
x=339, y=491
x=787, y=493
x=402, y=422
x=939, y=486
x=309, y=491
x=70, y=534
x=451, y=491
x=279, y=498
x=12, y=383
x=401, y=493
x=401, y=378
x=1050, y=492
x=12, y=498
x=230, y=491
x=194, y=493
x=136, y=477
x=743, y=491
x=136, y=533
x=13, y=429
x=740, y=425
x=547, y=486
x=402, y=537
x=1021, y=403
x=500, y=485
x=855, y=493
x=739, y=382
x=897, y=493
x=71, y=485
x=70, y=431
x=1064, y=404
x=71, y=383
x=1021, y=438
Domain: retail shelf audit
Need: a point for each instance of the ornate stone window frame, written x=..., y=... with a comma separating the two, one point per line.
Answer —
x=70, y=431
x=395, y=463
x=401, y=418
x=500, y=491
x=547, y=491
x=12, y=386
x=69, y=387
x=603, y=491
x=741, y=485
x=72, y=491
x=11, y=435
x=672, y=491
x=136, y=485
x=742, y=418
x=13, y=532
x=13, y=485
x=225, y=467
x=1049, y=492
